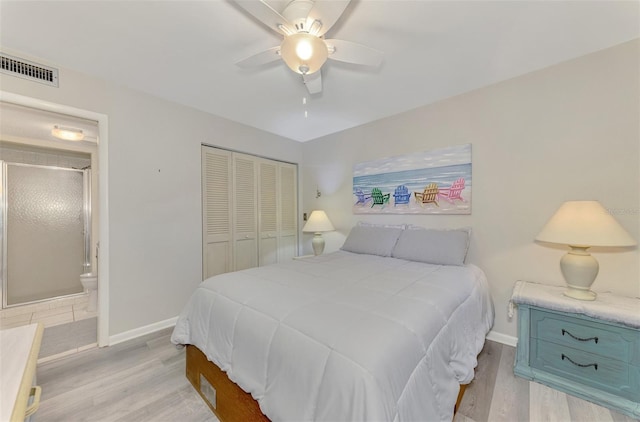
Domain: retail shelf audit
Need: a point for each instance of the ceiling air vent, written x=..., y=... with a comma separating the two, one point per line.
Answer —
x=28, y=70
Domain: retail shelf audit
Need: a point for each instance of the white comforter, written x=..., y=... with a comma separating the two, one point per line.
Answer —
x=344, y=336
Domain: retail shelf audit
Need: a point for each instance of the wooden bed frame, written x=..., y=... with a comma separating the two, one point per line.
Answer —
x=229, y=402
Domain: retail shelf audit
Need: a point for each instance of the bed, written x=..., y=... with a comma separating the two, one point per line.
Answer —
x=358, y=334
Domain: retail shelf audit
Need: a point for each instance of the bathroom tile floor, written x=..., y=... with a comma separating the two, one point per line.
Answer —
x=69, y=338
x=50, y=313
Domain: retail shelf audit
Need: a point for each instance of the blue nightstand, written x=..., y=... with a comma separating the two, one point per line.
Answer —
x=588, y=349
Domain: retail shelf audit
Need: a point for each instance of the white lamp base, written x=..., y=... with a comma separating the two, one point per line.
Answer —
x=580, y=294
x=579, y=269
x=317, y=243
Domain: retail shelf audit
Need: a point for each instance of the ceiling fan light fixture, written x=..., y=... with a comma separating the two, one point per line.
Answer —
x=315, y=27
x=285, y=29
x=297, y=11
x=304, y=50
x=304, y=53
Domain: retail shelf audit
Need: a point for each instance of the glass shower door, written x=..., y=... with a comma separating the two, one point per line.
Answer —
x=44, y=232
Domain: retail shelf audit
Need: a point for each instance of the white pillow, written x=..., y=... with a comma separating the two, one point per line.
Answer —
x=372, y=240
x=440, y=247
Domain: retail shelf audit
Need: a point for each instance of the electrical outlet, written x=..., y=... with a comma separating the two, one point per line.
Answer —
x=304, y=216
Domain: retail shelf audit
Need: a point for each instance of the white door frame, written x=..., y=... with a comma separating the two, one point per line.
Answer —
x=103, y=189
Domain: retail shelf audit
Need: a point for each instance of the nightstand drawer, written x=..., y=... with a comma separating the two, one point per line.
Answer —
x=611, y=341
x=558, y=348
x=589, y=369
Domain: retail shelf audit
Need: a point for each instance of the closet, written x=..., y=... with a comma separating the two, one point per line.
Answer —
x=249, y=211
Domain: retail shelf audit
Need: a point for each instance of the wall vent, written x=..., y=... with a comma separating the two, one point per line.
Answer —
x=28, y=70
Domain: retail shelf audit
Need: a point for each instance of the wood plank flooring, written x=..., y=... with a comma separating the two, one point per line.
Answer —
x=139, y=380
x=498, y=395
x=144, y=380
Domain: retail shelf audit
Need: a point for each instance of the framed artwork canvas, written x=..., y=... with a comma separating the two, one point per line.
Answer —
x=429, y=182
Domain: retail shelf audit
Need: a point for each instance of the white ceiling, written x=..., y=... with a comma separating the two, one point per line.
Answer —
x=185, y=51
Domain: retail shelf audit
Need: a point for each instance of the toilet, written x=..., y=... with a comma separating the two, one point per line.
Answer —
x=90, y=284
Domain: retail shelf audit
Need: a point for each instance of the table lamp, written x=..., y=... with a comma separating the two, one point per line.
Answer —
x=582, y=224
x=317, y=223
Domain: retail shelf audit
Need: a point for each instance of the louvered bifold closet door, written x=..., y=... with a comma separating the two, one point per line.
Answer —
x=217, y=244
x=288, y=221
x=245, y=211
x=268, y=212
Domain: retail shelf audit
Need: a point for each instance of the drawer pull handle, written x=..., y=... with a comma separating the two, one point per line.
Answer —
x=595, y=365
x=578, y=338
x=36, y=392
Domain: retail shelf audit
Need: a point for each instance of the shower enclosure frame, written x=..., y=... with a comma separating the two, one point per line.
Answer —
x=4, y=206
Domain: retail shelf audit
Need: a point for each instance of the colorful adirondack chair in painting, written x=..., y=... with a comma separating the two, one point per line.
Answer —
x=379, y=198
x=362, y=197
x=454, y=192
x=401, y=195
x=429, y=196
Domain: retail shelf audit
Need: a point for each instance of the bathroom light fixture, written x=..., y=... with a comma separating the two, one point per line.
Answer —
x=582, y=224
x=67, y=133
x=318, y=222
x=304, y=53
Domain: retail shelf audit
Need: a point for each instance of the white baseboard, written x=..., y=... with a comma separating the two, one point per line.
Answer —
x=141, y=331
x=502, y=338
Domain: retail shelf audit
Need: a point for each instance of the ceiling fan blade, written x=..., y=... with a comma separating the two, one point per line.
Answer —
x=327, y=12
x=350, y=52
x=267, y=15
x=261, y=58
x=313, y=82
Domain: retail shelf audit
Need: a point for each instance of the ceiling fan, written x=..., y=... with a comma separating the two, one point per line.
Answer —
x=303, y=23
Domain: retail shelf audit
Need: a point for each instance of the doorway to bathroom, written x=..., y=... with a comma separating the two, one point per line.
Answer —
x=49, y=228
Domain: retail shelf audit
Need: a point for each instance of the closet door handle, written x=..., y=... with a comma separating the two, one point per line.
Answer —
x=579, y=338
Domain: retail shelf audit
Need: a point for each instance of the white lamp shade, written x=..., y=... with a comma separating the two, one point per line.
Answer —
x=318, y=222
x=584, y=223
x=304, y=53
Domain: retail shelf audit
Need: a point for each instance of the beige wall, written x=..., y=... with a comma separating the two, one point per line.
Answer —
x=154, y=188
x=570, y=131
x=567, y=132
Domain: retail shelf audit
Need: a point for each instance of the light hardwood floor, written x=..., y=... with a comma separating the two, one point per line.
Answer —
x=497, y=395
x=143, y=380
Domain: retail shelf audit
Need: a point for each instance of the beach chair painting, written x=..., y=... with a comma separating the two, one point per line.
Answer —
x=379, y=198
x=454, y=192
x=436, y=181
x=429, y=195
x=362, y=198
x=401, y=195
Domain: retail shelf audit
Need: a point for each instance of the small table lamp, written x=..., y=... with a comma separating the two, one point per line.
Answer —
x=582, y=224
x=317, y=223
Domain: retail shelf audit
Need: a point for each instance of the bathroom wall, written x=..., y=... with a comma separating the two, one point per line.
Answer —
x=15, y=153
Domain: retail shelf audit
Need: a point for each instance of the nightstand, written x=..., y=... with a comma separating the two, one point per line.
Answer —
x=303, y=257
x=588, y=349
